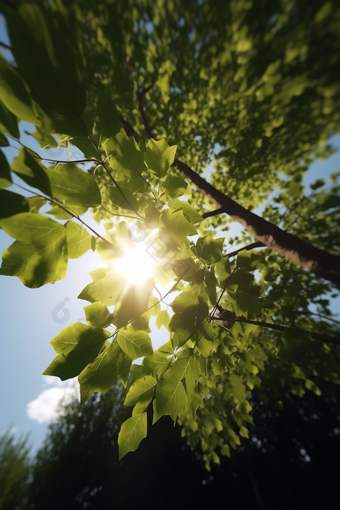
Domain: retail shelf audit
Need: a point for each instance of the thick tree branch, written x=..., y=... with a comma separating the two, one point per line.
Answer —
x=229, y=318
x=318, y=261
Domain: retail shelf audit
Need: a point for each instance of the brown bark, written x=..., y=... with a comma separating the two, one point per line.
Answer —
x=318, y=261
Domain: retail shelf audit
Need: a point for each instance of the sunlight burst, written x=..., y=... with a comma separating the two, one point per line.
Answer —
x=137, y=265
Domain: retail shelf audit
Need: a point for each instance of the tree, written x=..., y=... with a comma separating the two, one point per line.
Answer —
x=147, y=92
x=293, y=459
x=14, y=471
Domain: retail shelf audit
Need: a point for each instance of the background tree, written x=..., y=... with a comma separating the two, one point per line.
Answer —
x=250, y=86
x=15, y=468
x=292, y=460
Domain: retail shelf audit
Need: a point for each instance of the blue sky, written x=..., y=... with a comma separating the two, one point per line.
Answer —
x=30, y=318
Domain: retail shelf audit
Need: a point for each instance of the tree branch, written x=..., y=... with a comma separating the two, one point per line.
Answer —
x=139, y=97
x=216, y=212
x=258, y=244
x=318, y=261
x=4, y=45
x=66, y=209
x=119, y=189
x=230, y=318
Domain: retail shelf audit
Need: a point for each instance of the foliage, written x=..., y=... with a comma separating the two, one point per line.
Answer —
x=14, y=472
x=292, y=452
x=255, y=91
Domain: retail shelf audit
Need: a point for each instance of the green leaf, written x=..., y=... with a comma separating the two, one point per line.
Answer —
x=3, y=141
x=30, y=170
x=76, y=346
x=5, y=172
x=45, y=140
x=157, y=362
x=134, y=303
x=184, y=326
x=140, y=391
x=73, y=186
x=162, y=319
x=206, y=347
x=108, y=118
x=174, y=186
x=185, y=367
x=135, y=343
x=175, y=226
x=11, y=204
x=102, y=374
x=209, y=250
x=244, y=260
x=35, y=204
x=78, y=240
x=189, y=212
x=61, y=214
x=190, y=297
x=8, y=122
x=129, y=203
x=105, y=290
x=33, y=228
x=159, y=156
x=208, y=331
x=36, y=43
x=97, y=315
x=222, y=270
x=14, y=92
x=126, y=159
x=171, y=399
x=131, y=434
x=184, y=267
x=124, y=366
x=36, y=265
x=239, y=280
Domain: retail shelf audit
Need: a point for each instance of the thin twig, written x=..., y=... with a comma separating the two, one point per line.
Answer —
x=322, y=316
x=120, y=215
x=145, y=121
x=317, y=336
x=66, y=209
x=120, y=190
x=4, y=45
x=218, y=302
x=216, y=212
x=258, y=244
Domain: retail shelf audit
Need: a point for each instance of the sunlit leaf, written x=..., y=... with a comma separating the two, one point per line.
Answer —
x=140, y=391
x=135, y=343
x=76, y=346
x=159, y=156
x=131, y=434
x=30, y=170
x=101, y=374
x=78, y=240
x=73, y=186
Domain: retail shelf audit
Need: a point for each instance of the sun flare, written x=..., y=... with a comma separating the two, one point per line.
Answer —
x=137, y=266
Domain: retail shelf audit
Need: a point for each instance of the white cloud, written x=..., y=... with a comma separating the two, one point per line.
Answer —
x=55, y=381
x=45, y=408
